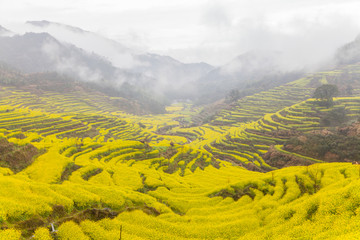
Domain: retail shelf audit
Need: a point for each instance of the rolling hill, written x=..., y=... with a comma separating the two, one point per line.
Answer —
x=75, y=165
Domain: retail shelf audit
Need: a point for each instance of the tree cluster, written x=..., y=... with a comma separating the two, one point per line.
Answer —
x=325, y=93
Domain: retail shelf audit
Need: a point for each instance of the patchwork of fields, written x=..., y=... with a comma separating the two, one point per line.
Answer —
x=74, y=166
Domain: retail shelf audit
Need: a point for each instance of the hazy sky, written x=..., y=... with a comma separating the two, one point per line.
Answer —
x=203, y=30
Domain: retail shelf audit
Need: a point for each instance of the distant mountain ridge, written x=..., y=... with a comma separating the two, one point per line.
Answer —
x=90, y=57
x=45, y=23
x=168, y=73
x=349, y=53
x=41, y=52
x=5, y=32
x=257, y=70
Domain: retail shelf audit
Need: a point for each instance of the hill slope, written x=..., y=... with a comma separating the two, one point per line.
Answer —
x=99, y=172
x=127, y=98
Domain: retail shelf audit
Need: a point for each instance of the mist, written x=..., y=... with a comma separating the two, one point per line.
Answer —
x=119, y=55
x=214, y=32
x=306, y=35
x=172, y=49
x=69, y=64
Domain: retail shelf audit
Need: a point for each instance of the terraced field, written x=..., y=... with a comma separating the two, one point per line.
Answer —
x=86, y=170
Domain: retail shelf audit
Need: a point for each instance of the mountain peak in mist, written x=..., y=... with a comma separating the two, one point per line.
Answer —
x=41, y=52
x=254, y=61
x=42, y=23
x=120, y=55
x=249, y=70
x=5, y=32
x=349, y=53
x=39, y=37
x=169, y=75
x=247, y=65
x=45, y=23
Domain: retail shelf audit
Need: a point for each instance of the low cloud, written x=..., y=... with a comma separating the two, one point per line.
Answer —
x=119, y=55
x=69, y=64
x=305, y=33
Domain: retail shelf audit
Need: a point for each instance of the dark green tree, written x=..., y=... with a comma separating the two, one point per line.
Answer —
x=233, y=96
x=326, y=93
